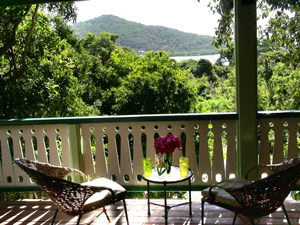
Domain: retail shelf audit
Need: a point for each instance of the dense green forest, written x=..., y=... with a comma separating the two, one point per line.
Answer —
x=147, y=38
x=47, y=71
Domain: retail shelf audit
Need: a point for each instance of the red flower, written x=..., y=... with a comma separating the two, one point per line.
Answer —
x=167, y=144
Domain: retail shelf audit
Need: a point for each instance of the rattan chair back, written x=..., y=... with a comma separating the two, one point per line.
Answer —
x=260, y=197
x=66, y=195
x=266, y=195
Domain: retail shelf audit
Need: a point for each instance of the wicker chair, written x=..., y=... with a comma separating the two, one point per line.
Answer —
x=258, y=198
x=71, y=198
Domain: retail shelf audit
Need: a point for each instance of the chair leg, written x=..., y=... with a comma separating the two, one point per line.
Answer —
x=234, y=219
x=251, y=220
x=202, y=212
x=125, y=209
x=54, y=216
x=79, y=218
x=104, y=210
x=286, y=215
x=243, y=218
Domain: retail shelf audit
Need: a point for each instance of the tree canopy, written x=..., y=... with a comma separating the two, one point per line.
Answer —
x=46, y=70
x=36, y=68
x=282, y=29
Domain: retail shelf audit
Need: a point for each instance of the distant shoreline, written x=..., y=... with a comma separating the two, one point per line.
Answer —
x=212, y=58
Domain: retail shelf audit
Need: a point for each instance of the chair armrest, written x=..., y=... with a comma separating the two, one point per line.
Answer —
x=216, y=186
x=257, y=167
x=229, y=186
x=102, y=188
x=276, y=167
x=233, y=196
x=80, y=173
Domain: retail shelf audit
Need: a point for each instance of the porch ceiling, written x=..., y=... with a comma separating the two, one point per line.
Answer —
x=26, y=2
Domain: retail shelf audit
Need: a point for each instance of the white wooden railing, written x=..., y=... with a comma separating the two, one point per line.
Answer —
x=113, y=147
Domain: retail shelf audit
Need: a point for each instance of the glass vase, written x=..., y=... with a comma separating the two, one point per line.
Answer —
x=163, y=164
x=168, y=161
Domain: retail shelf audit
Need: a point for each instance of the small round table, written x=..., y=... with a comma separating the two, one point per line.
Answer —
x=172, y=178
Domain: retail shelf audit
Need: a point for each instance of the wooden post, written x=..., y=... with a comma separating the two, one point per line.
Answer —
x=75, y=147
x=246, y=83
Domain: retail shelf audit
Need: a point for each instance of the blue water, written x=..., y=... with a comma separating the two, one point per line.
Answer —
x=211, y=58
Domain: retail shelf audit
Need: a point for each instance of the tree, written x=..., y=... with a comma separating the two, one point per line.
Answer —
x=95, y=67
x=219, y=96
x=15, y=50
x=205, y=68
x=101, y=46
x=154, y=84
x=281, y=83
x=284, y=31
x=278, y=43
x=64, y=31
x=190, y=64
x=226, y=56
x=37, y=65
x=224, y=32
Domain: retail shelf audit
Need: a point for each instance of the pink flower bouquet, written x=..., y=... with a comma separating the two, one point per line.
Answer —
x=167, y=144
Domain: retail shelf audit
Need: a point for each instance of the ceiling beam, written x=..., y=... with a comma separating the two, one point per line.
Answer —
x=30, y=2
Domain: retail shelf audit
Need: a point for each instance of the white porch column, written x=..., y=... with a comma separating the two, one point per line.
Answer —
x=246, y=83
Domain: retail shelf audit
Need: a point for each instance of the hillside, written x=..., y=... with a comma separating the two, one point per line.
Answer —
x=145, y=38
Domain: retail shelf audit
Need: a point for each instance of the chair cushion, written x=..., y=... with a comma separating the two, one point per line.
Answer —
x=103, y=198
x=222, y=196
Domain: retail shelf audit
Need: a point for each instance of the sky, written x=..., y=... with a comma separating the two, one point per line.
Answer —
x=185, y=15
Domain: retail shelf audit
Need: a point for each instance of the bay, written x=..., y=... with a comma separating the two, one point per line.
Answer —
x=211, y=58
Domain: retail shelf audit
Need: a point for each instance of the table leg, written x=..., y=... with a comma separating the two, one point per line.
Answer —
x=190, y=197
x=166, y=207
x=148, y=194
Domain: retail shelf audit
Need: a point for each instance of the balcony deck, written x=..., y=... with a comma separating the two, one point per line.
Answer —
x=40, y=212
x=84, y=143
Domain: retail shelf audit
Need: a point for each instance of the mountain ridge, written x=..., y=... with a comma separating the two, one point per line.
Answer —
x=147, y=37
